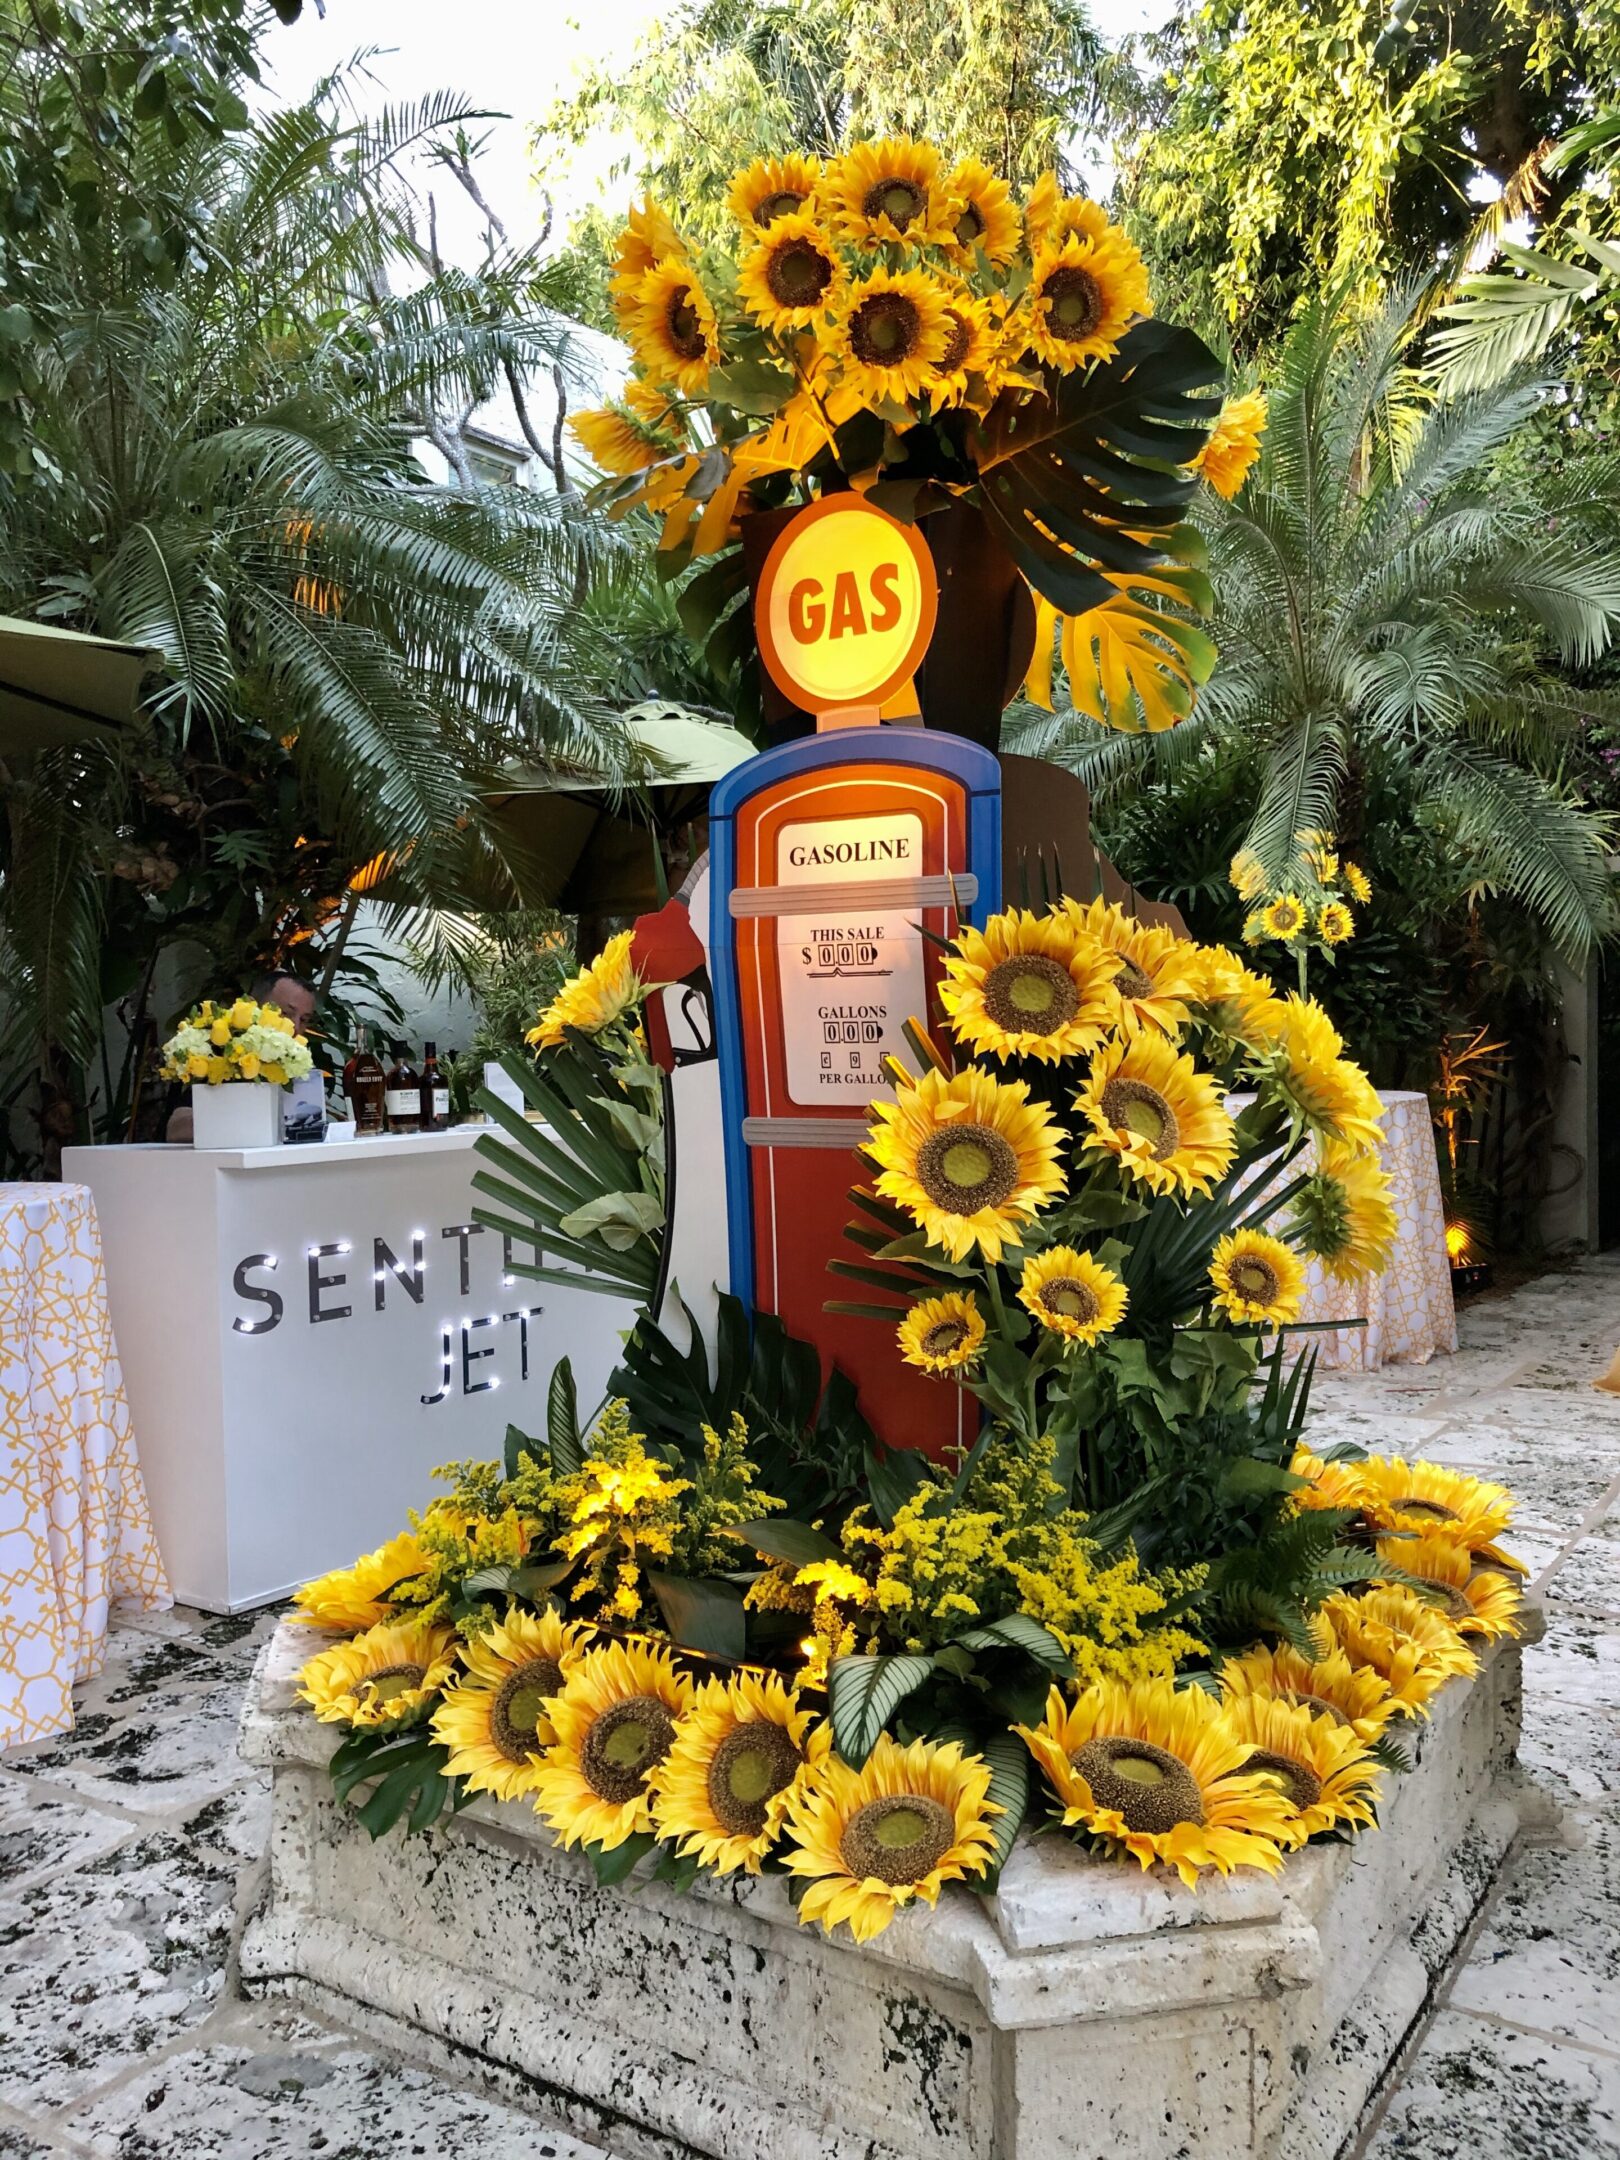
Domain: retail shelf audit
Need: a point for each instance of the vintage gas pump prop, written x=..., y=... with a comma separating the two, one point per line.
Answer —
x=839, y=862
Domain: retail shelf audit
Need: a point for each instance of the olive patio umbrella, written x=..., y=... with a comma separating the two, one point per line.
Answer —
x=60, y=686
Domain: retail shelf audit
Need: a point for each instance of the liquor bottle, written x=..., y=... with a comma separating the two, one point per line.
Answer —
x=404, y=1097
x=435, y=1091
x=366, y=1086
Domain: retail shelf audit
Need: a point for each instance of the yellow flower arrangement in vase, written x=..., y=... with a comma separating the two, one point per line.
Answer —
x=222, y=1040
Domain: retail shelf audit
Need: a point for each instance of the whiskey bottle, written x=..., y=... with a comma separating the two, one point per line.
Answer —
x=366, y=1085
x=404, y=1096
x=435, y=1094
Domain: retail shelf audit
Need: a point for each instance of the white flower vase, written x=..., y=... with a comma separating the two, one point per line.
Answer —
x=236, y=1114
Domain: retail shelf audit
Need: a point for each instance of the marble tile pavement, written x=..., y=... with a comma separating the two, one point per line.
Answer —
x=125, y=1849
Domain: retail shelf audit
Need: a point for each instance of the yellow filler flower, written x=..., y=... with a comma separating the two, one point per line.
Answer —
x=1321, y=1768
x=969, y=1157
x=1354, y=1696
x=1029, y=986
x=494, y=1722
x=591, y=1000
x=1151, y=1108
x=1159, y=1772
x=390, y=1675
x=1257, y=1278
x=871, y=1840
x=1414, y=1647
x=1072, y=1294
x=356, y=1597
x=741, y=1754
x=942, y=1334
x=615, y=1722
x=772, y=188
x=891, y=334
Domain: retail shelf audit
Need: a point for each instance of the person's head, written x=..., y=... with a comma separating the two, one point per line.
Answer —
x=288, y=994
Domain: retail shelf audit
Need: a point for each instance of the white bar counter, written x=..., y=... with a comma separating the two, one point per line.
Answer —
x=306, y=1332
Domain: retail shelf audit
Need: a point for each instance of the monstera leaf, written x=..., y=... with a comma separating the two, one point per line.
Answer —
x=1135, y=663
x=1079, y=484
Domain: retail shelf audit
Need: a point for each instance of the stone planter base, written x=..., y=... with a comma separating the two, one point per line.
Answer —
x=1086, y=2010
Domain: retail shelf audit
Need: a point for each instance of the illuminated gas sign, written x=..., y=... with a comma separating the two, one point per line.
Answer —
x=845, y=607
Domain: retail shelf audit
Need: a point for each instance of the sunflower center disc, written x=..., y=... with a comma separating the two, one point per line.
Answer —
x=963, y=1168
x=389, y=1684
x=752, y=1763
x=1030, y=994
x=1074, y=303
x=1296, y=1779
x=1131, y=981
x=1409, y=1505
x=685, y=331
x=969, y=225
x=1457, y=1606
x=1318, y=1705
x=1144, y=1113
x=956, y=351
x=626, y=1741
x=1073, y=1300
x=884, y=330
x=898, y=200
x=1256, y=1280
x=1143, y=1783
x=799, y=274
x=782, y=204
x=898, y=1838
x=519, y=1707
x=944, y=1337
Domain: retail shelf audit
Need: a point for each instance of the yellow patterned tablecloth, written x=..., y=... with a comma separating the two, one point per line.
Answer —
x=75, y=1532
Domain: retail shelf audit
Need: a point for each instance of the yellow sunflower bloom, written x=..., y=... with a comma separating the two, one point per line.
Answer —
x=969, y=1157
x=891, y=334
x=791, y=276
x=1245, y=875
x=889, y=191
x=1159, y=1771
x=1476, y=1600
x=1233, y=445
x=1257, y=1278
x=871, y=1840
x=649, y=238
x=390, y=1675
x=1321, y=1768
x=942, y=1334
x=1335, y=925
x=985, y=217
x=615, y=1722
x=618, y=440
x=494, y=1721
x=1236, y=1002
x=742, y=1753
x=1030, y=986
x=1427, y=1496
x=772, y=188
x=591, y=1000
x=1050, y=216
x=672, y=328
x=1156, y=974
x=1072, y=1293
x=1354, y=1696
x=1414, y=1647
x=1148, y=1105
x=1357, y=883
x=1283, y=917
x=1345, y=1215
x=974, y=342
x=357, y=1597
x=1323, y=1088
x=1328, y=1484
x=1083, y=297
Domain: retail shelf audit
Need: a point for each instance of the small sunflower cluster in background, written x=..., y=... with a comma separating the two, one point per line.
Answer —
x=235, y=1039
x=1313, y=911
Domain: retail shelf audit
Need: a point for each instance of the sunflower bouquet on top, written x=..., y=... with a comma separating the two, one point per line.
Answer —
x=888, y=322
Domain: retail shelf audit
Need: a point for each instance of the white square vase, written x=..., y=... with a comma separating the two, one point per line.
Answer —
x=236, y=1114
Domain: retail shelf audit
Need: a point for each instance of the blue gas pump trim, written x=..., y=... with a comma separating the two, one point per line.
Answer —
x=953, y=755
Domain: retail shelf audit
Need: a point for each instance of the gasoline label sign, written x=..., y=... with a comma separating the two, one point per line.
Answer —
x=846, y=606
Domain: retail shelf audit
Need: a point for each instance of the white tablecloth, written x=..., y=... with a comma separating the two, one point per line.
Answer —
x=75, y=1533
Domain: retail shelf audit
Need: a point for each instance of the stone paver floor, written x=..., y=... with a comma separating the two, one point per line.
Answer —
x=125, y=1849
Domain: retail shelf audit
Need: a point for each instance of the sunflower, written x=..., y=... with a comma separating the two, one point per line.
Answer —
x=1322, y=1087
x=388, y=1676
x=1233, y=445
x=1415, y=1648
x=871, y=1840
x=1051, y=217
x=1083, y=296
x=630, y=436
x=1284, y=917
x=598, y=995
x=1345, y=1215
x=1335, y=925
x=941, y=1334
x=1150, y=1106
x=1257, y=1278
x=1357, y=883
x=741, y=1753
x=1427, y=1496
x=892, y=333
x=791, y=276
x=1321, y=1767
x=1476, y=1600
x=1156, y=974
x=1029, y=986
x=672, y=327
x=1350, y=1695
x=1158, y=1771
x=771, y=189
x=357, y=1597
x=649, y=238
x=614, y=1723
x=974, y=341
x=1237, y=1003
x=970, y=1157
x=1327, y=1484
x=890, y=190
x=984, y=214
x=1072, y=1293
x=494, y=1722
